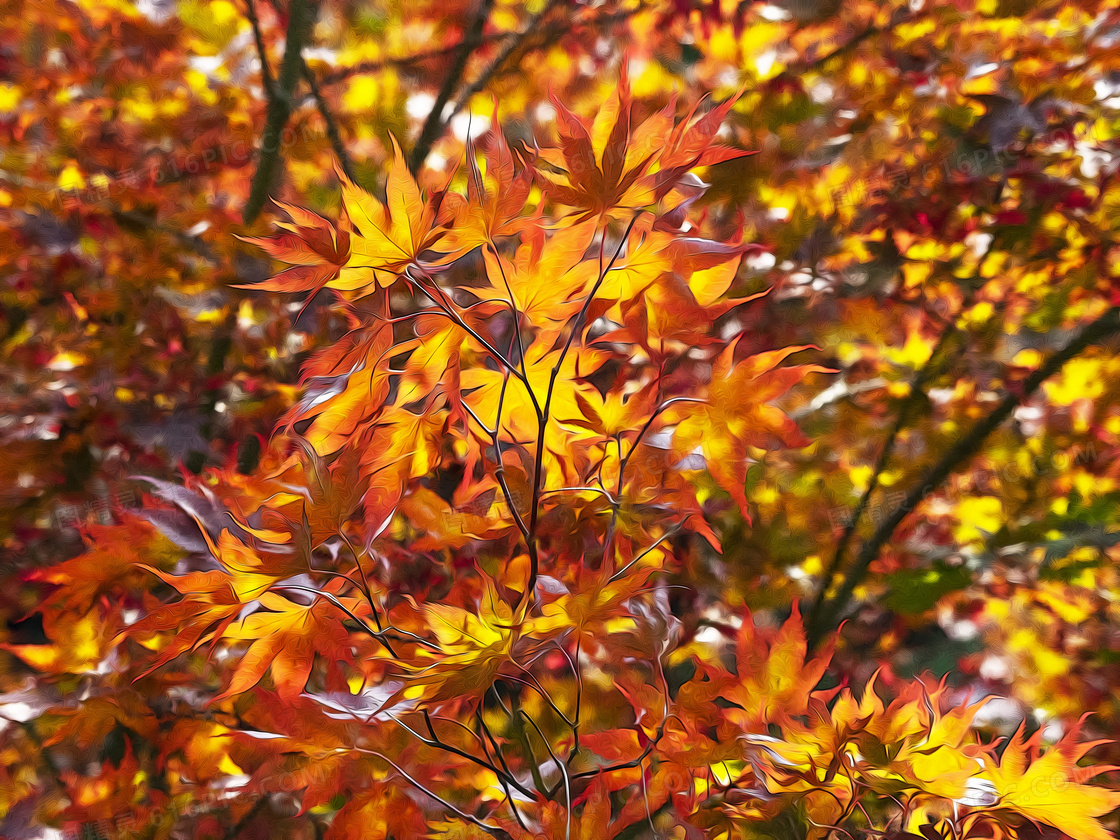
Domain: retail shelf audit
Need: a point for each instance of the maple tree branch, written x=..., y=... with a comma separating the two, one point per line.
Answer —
x=535, y=684
x=448, y=310
x=516, y=314
x=814, y=65
x=538, y=464
x=625, y=765
x=642, y=433
x=498, y=752
x=341, y=74
x=333, y=133
x=492, y=830
x=307, y=590
x=436, y=742
x=563, y=768
x=672, y=532
x=819, y=62
x=579, y=698
x=500, y=469
x=433, y=125
x=301, y=16
x=190, y=242
x=494, y=744
x=924, y=377
x=262, y=53
x=403, y=635
x=917, y=392
x=1103, y=327
x=368, y=592
x=499, y=61
x=514, y=714
x=544, y=37
x=334, y=77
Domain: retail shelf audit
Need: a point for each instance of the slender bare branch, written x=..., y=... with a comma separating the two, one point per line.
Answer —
x=301, y=15
x=925, y=376
x=1103, y=327
x=492, y=830
x=333, y=133
x=538, y=464
x=377, y=65
x=532, y=28
x=433, y=125
x=262, y=53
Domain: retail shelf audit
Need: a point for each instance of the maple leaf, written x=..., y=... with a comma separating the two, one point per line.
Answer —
x=385, y=239
x=612, y=414
x=598, y=168
x=381, y=812
x=79, y=646
x=914, y=743
x=474, y=646
x=724, y=427
x=1048, y=786
x=546, y=278
x=285, y=636
x=399, y=449
x=443, y=525
x=314, y=247
x=346, y=385
x=251, y=572
x=483, y=391
x=112, y=557
x=208, y=606
x=495, y=196
x=434, y=363
x=690, y=145
x=773, y=679
x=204, y=746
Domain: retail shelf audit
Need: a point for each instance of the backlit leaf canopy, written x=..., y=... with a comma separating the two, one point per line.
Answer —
x=559, y=420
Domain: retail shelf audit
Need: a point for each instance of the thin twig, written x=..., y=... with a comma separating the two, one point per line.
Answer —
x=672, y=532
x=492, y=830
x=563, y=773
x=538, y=464
x=266, y=72
x=532, y=27
x=333, y=133
x=390, y=62
x=433, y=125
x=546, y=35
x=436, y=742
x=448, y=310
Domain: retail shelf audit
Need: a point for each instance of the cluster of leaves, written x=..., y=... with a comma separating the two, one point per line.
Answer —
x=513, y=565
x=461, y=600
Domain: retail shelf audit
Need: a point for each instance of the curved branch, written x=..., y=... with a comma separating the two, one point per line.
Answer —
x=341, y=74
x=301, y=17
x=333, y=132
x=1106, y=325
x=499, y=62
x=925, y=376
x=433, y=125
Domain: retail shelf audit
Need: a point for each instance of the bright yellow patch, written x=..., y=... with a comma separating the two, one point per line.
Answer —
x=978, y=517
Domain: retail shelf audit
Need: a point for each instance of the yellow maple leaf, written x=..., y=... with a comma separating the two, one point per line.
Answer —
x=738, y=414
x=385, y=239
x=1048, y=786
